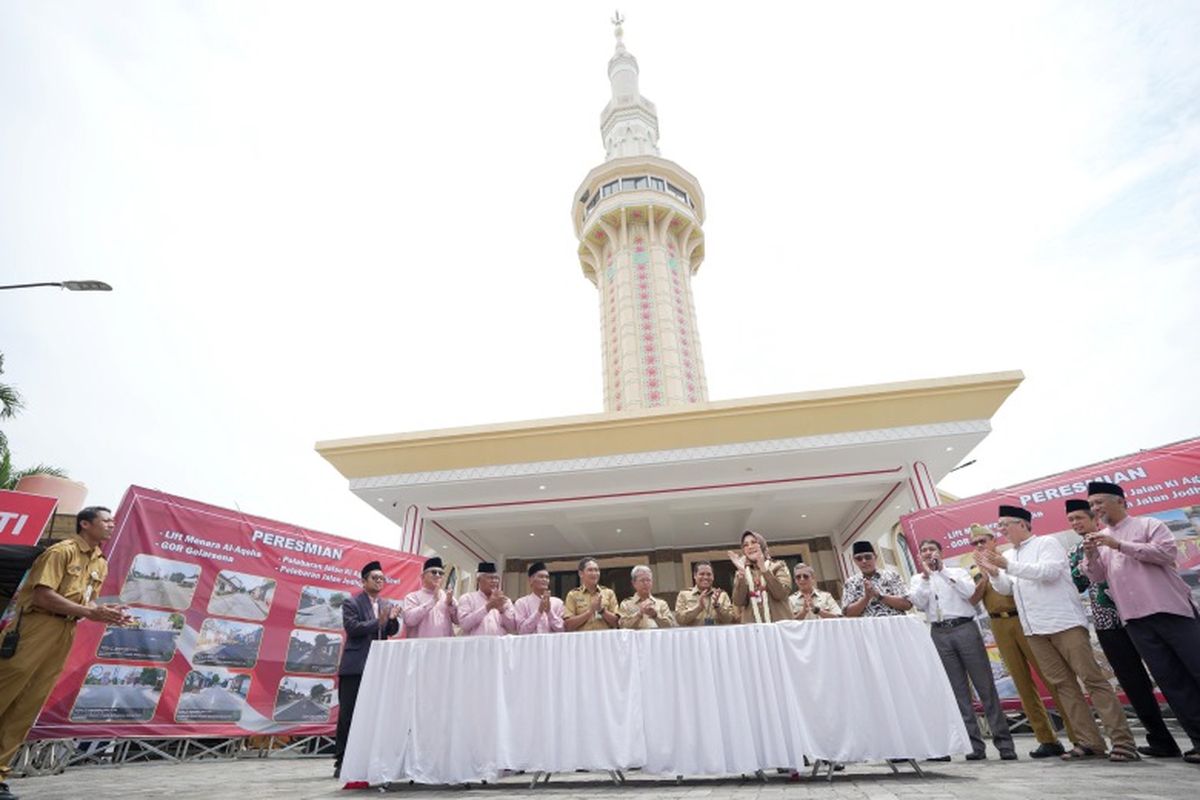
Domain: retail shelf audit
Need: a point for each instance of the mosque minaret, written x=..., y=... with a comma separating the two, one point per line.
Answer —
x=638, y=219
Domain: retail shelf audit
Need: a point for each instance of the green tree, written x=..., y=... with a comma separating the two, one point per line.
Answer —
x=11, y=403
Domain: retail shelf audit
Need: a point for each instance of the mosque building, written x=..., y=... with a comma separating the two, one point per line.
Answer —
x=664, y=476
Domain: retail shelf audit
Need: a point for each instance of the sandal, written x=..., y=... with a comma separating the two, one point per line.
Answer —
x=1124, y=754
x=1079, y=752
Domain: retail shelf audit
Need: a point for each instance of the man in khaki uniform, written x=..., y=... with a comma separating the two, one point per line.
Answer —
x=703, y=604
x=591, y=607
x=60, y=590
x=644, y=610
x=1017, y=654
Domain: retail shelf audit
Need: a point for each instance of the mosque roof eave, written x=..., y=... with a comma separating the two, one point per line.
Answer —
x=823, y=412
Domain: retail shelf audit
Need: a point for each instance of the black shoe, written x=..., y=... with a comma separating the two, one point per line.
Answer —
x=6, y=793
x=939, y=758
x=1008, y=755
x=337, y=773
x=1159, y=752
x=1047, y=750
x=976, y=756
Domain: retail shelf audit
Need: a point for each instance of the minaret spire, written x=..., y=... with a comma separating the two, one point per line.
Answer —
x=639, y=220
x=629, y=123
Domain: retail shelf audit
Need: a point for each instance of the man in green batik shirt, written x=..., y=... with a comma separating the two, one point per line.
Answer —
x=1116, y=644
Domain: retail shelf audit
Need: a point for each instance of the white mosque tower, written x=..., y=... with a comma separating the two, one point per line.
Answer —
x=638, y=219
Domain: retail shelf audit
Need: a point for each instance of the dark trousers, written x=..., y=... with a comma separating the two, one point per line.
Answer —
x=1127, y=665
x=1170, y=646
x=347, y=697
x=966, y=663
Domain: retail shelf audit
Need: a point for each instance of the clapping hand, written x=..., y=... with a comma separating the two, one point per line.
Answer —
x=649, y=610
x=738, y=559
x=597, y=599
x=497, y=600
x=984, y=562
x=981, y=562
x=870, y=591
x=544, y=606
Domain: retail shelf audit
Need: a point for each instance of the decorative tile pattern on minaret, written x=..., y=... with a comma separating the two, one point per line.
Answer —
x=638, y=218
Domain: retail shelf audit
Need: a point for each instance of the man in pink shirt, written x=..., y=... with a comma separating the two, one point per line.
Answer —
x=486, y=611
x=538, y=612
x=1136, y=555
x=429, y=612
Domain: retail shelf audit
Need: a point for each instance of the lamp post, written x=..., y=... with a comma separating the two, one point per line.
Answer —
x=72, y=286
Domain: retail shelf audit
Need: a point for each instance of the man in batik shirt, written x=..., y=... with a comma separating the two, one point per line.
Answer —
x=873, y=592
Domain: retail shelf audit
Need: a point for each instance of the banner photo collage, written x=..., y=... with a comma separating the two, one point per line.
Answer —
x=237, y=626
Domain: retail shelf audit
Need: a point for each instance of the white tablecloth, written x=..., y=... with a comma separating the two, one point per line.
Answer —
x=690, y=701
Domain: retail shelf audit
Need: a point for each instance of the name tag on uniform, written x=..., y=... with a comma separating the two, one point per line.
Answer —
x=87, y=591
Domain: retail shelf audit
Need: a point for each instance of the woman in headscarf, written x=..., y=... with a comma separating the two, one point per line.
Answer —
x=761, y=586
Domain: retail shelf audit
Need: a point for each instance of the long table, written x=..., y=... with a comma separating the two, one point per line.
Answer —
x=689, y=701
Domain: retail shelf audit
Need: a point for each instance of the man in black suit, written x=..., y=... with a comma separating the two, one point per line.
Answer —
x=366, y=617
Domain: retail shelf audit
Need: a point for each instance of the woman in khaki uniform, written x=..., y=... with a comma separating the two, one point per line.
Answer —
x=764, y=596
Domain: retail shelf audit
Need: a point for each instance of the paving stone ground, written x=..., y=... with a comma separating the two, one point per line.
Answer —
x=311, y=778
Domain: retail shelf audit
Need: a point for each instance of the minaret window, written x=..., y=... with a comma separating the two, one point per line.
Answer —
x=635, y=183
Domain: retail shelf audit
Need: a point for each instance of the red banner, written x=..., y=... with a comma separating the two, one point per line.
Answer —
x=24, y=516
x=238, y=626
x=1164, y=482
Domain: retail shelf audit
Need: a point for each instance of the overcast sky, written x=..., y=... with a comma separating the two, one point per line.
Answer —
x=340, y=219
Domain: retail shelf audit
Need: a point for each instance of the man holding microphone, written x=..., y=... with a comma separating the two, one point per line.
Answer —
x=944, y=594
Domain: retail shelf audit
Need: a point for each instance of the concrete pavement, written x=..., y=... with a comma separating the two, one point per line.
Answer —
x=309, y=779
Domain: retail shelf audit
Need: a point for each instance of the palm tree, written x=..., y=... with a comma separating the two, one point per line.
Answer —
x=9, y=477
x=11, y=403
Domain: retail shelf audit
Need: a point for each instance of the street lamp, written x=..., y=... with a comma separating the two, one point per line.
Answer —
x=72, y=286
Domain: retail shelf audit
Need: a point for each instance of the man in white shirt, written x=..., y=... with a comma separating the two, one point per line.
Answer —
x=1036, y=574
x=944, y=595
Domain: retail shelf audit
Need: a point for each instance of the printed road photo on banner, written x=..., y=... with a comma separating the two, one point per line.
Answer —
x=237, y=626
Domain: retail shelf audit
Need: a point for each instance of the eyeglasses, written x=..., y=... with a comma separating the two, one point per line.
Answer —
x=980, y=542
x=376, y=577
x=436, y=572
